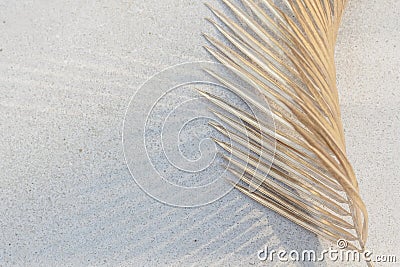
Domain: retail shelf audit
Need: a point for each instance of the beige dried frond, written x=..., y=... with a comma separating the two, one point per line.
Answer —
x=289, y=52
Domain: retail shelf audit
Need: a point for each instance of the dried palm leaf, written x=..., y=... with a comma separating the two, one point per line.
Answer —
x=289, y=53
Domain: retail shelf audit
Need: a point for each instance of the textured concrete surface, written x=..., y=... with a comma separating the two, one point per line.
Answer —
x=67, y=72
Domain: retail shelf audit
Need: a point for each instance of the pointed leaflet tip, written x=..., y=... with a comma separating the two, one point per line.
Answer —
x=207, y=5
x=217, y=126
x=202, y=92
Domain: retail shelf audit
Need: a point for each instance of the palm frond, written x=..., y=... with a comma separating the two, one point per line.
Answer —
x=288, y=52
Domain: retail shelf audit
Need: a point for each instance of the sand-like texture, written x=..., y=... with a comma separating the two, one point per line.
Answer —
x=67, y=72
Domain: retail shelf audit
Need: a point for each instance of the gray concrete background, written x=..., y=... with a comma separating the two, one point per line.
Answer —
x=67, y=72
